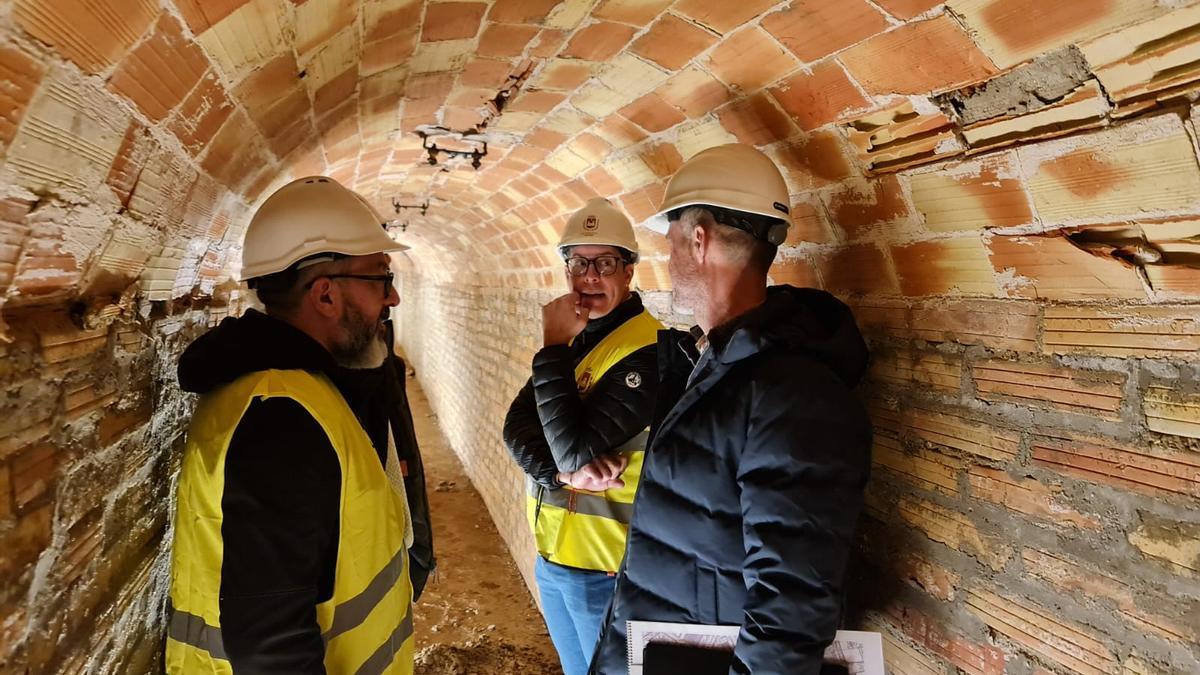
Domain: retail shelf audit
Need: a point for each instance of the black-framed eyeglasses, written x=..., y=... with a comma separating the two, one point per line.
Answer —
x=388, y=280
x=606, y=265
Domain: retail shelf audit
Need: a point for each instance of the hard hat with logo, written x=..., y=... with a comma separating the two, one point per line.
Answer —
x=599, y=223
x=310, y=216
x=735, y=177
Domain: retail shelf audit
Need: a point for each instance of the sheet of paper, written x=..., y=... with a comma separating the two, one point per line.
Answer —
x=860, y=651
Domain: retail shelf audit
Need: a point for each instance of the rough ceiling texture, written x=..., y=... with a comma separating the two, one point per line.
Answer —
x=161, y=124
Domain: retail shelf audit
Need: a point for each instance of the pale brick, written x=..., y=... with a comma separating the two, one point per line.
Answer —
x=1026, y=496
x=952, y=431
x=954, y=530
x=246, y=38
x=160, y=72
x=924, y=369
x=1044, y=632
x=1172, y=412
x=1051, y=267
x=1176, y=544
x=900, y=137
x=926, y=469
x=749, y=60
x=971, y=196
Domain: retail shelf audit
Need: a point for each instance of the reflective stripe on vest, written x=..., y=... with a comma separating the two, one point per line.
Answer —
x=587, y=530
x=367, y=623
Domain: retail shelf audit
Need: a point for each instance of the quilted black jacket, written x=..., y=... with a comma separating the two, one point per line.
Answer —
x=752, y=485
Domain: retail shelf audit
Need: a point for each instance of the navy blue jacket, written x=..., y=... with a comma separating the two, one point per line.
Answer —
x=752, y=485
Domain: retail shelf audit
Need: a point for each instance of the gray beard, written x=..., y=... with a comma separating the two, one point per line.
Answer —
x=362, y=347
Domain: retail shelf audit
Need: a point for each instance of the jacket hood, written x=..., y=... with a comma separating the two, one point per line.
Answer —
x=805, y=320
x=247, y=344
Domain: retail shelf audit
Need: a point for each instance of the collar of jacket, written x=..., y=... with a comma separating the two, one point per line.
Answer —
x=250, y=343
x=598, y=329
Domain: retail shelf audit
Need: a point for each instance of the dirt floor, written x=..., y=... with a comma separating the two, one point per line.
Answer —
x=476, y=616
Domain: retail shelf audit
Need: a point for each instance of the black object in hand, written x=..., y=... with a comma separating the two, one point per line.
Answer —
x=664, y=658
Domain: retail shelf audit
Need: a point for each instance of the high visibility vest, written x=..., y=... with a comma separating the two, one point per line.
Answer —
x=584, y=529
x=367, y=624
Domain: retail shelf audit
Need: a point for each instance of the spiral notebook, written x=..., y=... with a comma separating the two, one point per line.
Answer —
x=861, y=652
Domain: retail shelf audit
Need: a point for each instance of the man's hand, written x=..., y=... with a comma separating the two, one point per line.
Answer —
x=604, y=473
x=562, y=319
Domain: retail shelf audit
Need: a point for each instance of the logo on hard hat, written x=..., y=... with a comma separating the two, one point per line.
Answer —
x=591, y=223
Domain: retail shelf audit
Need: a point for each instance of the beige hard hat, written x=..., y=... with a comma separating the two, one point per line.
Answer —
x=599, y=223
x=734, y=176
x=309, y=216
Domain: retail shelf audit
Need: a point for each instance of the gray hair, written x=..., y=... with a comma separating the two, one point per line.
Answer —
x=741, y=246
x=281, y=293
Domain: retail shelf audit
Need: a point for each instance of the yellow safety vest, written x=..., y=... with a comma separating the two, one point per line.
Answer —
x=584, y=529
x=367, y=624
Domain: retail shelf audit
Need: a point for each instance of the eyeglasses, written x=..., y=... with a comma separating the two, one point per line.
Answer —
x=388, y=280
x=606, y=265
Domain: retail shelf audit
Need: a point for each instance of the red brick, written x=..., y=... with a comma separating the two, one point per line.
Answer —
x=662, y=158
x=1027, y=496
x=34, y=472
x=548, y=43
x=452, y=20
x=813, y=29
x=636, y=12
x=956, y=266
x=934, y=635
x=20, y=75
x=504, y=41
x=564, y=75
x=971, y=196
x=813, y=161
x=602, y=182
x=652, y=113
x=598, y=42
x=157, y=74
x=94, y=34
x=521, y=11
x=234, y=155
x=907, y=9
x=335, y=91
x=749, y=60
x=200, y=15
x=808, y=225
x=756, y=120
x=1159, y=472
x=201, y=115
x=918, y=58
x=858, y=269
x=723, y=16
x=795, y=272
x=857, y=211
x=1044, y=385
x=482, y=73
x=382, y=55
x=1044, y=631
x=672, y=42
x=1051, y=267
x=822, y=95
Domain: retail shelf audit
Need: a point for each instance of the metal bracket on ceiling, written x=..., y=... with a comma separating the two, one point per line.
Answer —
x=423, y=208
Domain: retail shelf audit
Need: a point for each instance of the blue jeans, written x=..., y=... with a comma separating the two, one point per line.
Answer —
x=574, y=603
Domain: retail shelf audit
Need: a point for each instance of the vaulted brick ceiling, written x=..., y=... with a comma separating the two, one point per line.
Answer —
x=159, y=125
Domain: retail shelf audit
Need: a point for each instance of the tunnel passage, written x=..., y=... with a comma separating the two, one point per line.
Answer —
x=1006, y=191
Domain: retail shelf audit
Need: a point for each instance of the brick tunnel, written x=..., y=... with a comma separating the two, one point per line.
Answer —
x=1006, y=192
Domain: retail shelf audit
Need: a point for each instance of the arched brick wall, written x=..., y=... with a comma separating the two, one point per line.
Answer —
x=1007, y=191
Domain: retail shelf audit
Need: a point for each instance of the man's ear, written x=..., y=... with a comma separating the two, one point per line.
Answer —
x=324, y=297
x=700, y=242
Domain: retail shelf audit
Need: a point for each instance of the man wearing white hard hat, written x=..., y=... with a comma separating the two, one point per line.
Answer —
x=292, y=529
x=759, y=451
x=578, y=426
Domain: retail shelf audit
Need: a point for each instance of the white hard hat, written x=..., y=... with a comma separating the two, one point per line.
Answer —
x=599, y=223
x=736, y=177
x=309, y=216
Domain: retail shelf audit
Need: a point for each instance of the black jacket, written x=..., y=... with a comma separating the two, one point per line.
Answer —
x=283, y=487
x=550, y=428
x=751, y=486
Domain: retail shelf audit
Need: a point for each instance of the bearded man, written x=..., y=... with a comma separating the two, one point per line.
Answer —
x=292, y=528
